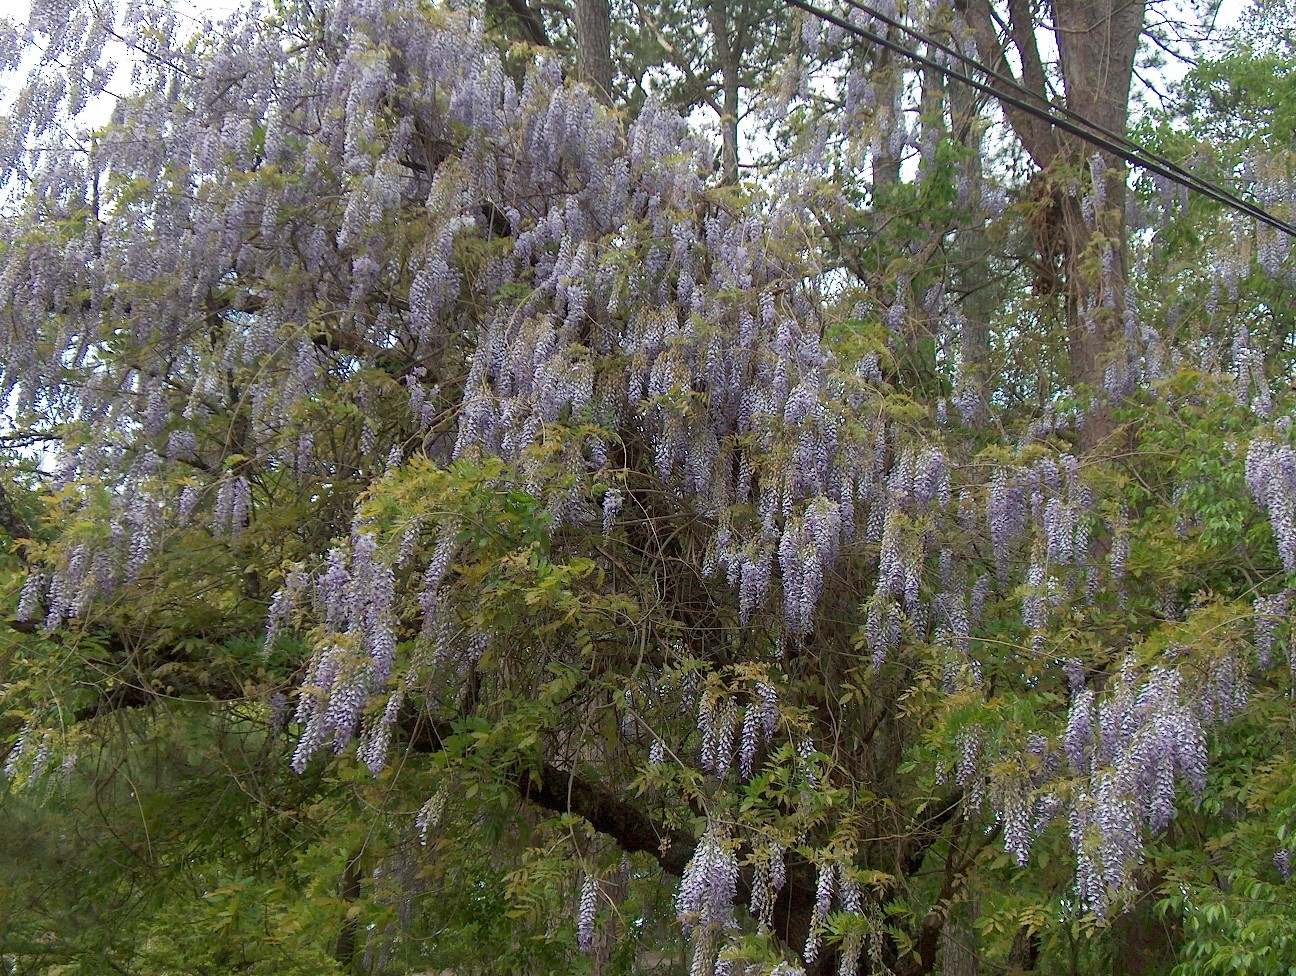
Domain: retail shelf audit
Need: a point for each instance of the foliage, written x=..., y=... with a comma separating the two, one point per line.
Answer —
x=444, y=506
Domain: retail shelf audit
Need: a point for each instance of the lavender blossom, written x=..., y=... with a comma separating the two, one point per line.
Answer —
x=769, y=875
x=285, y=599
x=1079, y=738
x=825, y=888
x=1271, y=476
x=429, y=815
x=709, y=885
x=585, y=914
x=717, y=718
x=612, y=501
x=760, y=719
x=29, y=600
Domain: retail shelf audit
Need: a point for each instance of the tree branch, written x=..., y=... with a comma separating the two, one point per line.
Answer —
x=1035, y=135
x=533, y=28
x=11, y=521
x=1023, y=36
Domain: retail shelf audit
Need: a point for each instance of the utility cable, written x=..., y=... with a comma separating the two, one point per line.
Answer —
x=1065, y=119
x=1187, y=178
x=1069, y=121
x=1146, y=159
x=1061, y=117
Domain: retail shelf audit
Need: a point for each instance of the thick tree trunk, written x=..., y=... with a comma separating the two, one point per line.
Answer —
x=1092, y=320
x=886, y=157
x=594, y=46
x=606, y=935
x=1142, y=941
x=518, y=17
x=1097, y=41
x=348, y=890
x=728, y=60
x=960, y=955
x=979, y=299
x=1023, y=957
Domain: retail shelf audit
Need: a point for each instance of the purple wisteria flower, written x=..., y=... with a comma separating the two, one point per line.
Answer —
x=705, y=902
x=585, y=913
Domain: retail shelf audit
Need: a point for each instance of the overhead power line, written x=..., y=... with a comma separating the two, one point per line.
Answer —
x=1146, y=156
x=1008, y=91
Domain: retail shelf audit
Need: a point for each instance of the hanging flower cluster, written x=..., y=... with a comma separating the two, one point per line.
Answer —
x=353, y=596
x=705, y=902
x=1271, y=476
x=718, y=720
x=834, y=881
x=1132, y=749
x=1270, y=613
x=585, y=913
x=537, y=285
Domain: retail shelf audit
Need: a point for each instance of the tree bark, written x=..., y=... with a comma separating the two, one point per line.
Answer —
x=1023, y=957
x=1097, y=41
x=348, y=891
x=974, y=275
x=606, y=935
x=886, y=161
x=959, y=950
x=727, y=58
x=529, y=22
x=594, y=46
